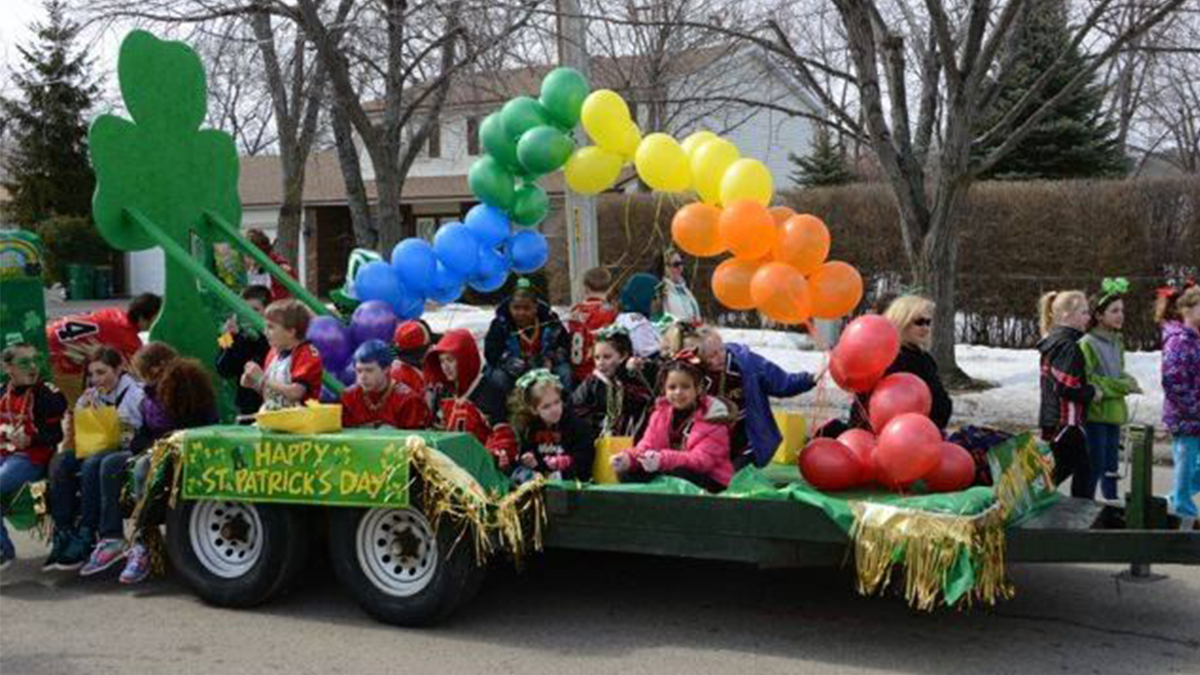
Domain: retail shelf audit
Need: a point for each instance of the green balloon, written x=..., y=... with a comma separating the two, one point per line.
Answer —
x=522, y=114
x=491, y=182
x=544, y=149
x=530, y=205
x=563, y=92
x=496, y=141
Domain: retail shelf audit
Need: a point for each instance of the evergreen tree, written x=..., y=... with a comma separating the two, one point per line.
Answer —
x=48, y=168
x=826, y=165
x=1075, y=140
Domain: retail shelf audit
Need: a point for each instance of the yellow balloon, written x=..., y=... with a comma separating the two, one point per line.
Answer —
x=747, y=179
x=591, y=170
x=709, y=164
x=661, y=163
x=631, y=138
x=605, y=118
x=692, y=143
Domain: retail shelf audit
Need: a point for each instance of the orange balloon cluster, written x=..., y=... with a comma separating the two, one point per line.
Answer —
x=779, y=264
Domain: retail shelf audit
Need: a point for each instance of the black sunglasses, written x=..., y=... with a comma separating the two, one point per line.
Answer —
x=923, y=322
x=676, y=263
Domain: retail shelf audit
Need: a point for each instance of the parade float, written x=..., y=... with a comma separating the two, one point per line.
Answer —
x=411, y=520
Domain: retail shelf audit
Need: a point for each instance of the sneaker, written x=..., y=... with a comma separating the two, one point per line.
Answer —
x=137, y=565
x=73, y=554
x=107, y=553
x=57, y=546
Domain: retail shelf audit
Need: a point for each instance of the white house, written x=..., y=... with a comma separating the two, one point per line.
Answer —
x=711, y=90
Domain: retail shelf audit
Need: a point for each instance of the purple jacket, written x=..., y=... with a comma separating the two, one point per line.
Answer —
x=1181, y=379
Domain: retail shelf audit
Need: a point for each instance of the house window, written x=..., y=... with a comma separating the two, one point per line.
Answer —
x=472, y=136
x=633, y=111
x=435, y=141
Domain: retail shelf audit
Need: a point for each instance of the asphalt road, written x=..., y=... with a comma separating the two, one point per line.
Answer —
x=575, y=613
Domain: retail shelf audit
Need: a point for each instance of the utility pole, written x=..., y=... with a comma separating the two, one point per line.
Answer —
x=583, y=245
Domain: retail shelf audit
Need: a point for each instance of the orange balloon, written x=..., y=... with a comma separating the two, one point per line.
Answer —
x=731, y=283
x=781, y=214
x=747, y=229
x=781, y=293
x=803, y=243
x=694, y=228
x=836, y=289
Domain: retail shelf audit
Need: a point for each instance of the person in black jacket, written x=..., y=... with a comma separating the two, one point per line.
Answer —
x=913, y=317
x=1064, y=315
x=526, y=334
x=242, y=347
x=615, y=400
x=544, y=438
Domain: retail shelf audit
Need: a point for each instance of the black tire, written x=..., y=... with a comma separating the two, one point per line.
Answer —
x=425, y=586
x=278, y=550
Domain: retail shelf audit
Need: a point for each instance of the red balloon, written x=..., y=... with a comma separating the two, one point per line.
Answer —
x=828, y=465
x=890, y=483
x=908, y=448
x=897, y=394
x=868, y=346
x=862, y=443
x=955, y=470
x=854, y=385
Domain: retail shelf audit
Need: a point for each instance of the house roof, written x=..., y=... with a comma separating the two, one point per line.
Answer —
x=260, y=183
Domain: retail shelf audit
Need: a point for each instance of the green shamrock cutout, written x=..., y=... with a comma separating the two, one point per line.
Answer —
x=165, y=167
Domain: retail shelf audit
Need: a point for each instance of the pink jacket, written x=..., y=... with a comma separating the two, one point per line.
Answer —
x=706, y=443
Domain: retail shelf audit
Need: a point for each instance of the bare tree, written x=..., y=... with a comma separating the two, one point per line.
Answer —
x=239, y=100
x=926, y=157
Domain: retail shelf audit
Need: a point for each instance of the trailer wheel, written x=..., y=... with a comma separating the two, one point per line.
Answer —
x=398, y=568
x=236, y=554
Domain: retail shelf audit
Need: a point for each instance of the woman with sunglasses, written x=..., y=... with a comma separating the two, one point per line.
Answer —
x=677, y=298
x=913, y=317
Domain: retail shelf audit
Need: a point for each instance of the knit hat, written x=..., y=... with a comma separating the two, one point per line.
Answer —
x=638, y=294
x=412, y=339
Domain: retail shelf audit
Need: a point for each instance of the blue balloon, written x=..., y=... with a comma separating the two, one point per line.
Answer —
x=411, y=308
x=447, y=286
x=415, y=262
x=489, y=225
x=527, y=251
x=492, y=272
x=332, y=341
x=376, y=281
x=457, y=248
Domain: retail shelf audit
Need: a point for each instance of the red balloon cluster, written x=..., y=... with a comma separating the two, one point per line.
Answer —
x=906, y=446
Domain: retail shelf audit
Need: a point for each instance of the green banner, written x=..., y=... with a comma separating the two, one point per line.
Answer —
x=247, y=464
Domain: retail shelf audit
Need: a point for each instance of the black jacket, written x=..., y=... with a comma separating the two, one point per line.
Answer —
x=590, y=400
x=502, y=348
x=571, y=436
x=922, y=364
x=1065, y=389
x=231, y=362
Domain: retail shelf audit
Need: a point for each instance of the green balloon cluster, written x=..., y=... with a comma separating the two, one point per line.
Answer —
x=526, y=139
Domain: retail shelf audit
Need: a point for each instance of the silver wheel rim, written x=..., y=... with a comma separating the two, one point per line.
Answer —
x=397, y=550
x=226, y=537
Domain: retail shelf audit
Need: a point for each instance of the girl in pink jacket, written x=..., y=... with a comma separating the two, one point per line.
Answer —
x=687, y=436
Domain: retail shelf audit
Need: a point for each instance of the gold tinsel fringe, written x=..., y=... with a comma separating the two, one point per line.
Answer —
x=928, y=545
x=514, y=522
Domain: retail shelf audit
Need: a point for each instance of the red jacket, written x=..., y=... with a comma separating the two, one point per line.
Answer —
x=72, y=337
x=408, y=376
x=706, y=440
x=587, y=316
x=452, y=401
x=306, y=369
x=396, y=407
x=39, y=409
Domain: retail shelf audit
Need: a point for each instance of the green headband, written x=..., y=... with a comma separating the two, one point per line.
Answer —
x=1113, y=287
x=537, y=376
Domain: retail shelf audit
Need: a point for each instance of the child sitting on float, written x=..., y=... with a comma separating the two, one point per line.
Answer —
x=452, y=374
x=544, y=438
x=291, y=374
x=688, y=433
x=376, y=400
x=616, y=398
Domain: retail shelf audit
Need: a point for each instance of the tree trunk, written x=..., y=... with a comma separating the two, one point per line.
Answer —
x=291, y=212
x=387, y=187
x=365, y=233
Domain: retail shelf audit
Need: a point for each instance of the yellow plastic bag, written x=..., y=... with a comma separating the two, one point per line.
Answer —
x=606, y=447
x=97, y=430
x=313, y=418
x=792, y=425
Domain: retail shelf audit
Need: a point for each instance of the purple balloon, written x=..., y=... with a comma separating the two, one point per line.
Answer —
x=327, y=395
x=347, y=375
x=330, y=338
x=373, y=319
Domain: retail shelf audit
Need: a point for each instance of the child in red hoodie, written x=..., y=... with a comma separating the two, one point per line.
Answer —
x=377, y=401
x=452, y=374
x=687, y=436
x=31, y=413
x=291, y=374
